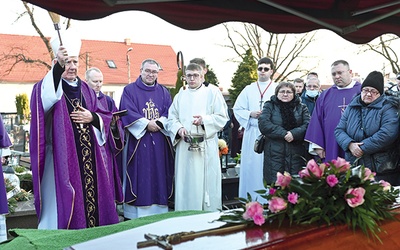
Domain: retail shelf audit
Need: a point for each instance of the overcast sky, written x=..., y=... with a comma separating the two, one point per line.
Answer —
x=142, y=27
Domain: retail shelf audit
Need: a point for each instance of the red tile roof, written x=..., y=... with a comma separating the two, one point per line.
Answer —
x=93, y=53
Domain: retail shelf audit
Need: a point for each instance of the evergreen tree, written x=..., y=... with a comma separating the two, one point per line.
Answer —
x=244, y=75
x=178, y=85
x=211, y=77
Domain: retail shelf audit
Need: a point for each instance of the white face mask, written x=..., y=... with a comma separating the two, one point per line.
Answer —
x=312, y=93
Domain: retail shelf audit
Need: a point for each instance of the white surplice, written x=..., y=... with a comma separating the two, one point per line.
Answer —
x=197, y=173
x=251, y=163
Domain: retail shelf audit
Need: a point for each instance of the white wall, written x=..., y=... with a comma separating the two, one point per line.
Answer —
x=117, y=89
x=9, y=91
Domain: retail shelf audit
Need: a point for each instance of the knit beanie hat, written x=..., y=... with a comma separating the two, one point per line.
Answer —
x=374, y=80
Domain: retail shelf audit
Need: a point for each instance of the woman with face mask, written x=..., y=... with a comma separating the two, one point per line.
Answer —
x=309, y=97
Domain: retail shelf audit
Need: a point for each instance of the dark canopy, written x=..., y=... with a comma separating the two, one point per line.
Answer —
x=358, y=21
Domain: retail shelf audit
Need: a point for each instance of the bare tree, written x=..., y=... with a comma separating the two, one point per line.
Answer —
x=17, y=55
x=383, y=46
x=286, y=51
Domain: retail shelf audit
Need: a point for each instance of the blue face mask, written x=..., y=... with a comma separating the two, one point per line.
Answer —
x=312, y=93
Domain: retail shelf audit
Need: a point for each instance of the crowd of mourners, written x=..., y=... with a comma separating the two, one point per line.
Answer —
x=155, y=153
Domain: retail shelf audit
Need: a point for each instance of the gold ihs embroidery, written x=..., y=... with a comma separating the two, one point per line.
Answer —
x=151, y=112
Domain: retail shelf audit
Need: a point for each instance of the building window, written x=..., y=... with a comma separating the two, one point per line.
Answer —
x=109, y=93
x=111, y=64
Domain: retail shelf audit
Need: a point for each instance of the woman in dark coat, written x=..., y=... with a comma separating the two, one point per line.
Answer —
x=369, y=130
x=284, y=122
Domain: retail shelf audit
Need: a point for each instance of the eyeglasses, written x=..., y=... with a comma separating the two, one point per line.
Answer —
x=195, y=76
x=263, y=68
x=154, y=72
x=312, y=87
x=285, y=92
x=369, y=91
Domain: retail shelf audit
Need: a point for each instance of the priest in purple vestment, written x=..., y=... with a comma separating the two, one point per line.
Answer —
x=148, y=160
x=115, y=141
x=74, y=185
x=328, y=110
x=5, y=143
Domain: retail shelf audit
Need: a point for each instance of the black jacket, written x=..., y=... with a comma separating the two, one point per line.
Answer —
x=280, y=155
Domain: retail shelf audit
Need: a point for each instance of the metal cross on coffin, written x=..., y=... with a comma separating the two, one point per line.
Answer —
x=166, y=241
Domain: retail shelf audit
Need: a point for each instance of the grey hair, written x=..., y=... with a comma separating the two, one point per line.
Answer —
x=87, y=74
x=150, y=61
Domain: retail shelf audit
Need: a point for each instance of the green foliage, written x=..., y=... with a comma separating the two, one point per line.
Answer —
x=22, y=104
x=22, y=195
x=244, y=75
x=237, y=158
x=178, y=85
x=19, y=169
x=211, y=77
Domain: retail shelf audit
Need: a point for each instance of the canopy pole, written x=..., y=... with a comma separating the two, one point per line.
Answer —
x=304, y=16
x=355, y=13
x=373, y=20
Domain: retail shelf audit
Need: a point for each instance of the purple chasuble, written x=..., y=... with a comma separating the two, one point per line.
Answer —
x=115, y=144
x=328, y=109
x=55, y=130
x=4, y=143
x=150, y=166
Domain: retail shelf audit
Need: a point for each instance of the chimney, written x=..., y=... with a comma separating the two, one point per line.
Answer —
x=127, y=41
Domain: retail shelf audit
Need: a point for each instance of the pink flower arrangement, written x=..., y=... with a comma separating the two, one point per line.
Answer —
x=277, y=204
x=386, y=185
x=293, y=197
x=341, y=164
x=254, y=211
x=330, y=192
x=283, y=180
x=312, y=169
x=369, y=175
x=332, y=180
x=355, y=196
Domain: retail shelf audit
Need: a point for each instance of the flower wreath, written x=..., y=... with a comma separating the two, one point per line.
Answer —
x=330, y=193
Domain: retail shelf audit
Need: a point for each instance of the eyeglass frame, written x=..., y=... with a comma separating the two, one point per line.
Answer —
x=266, y=69
x=373, y=92
x=287, y=92
x=148, y=71
x=195, y=76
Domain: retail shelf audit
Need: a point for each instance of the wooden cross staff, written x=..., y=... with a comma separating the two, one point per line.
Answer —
x=166, y=241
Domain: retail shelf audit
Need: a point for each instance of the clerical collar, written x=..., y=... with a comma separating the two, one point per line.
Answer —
x=152, y=85
x=351, y=85
x=73, y=83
